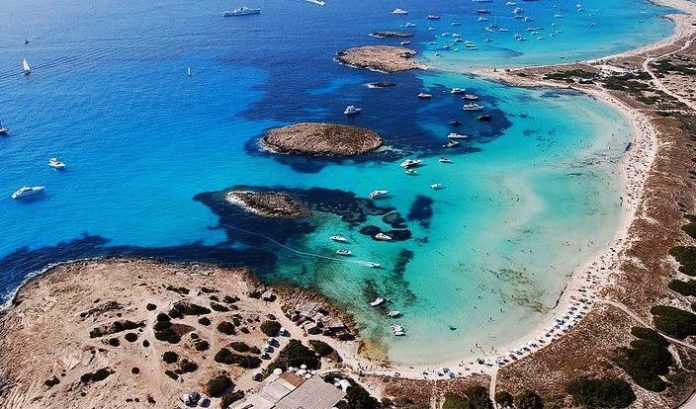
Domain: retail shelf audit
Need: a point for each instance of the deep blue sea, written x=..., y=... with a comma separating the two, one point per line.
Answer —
x=528, y=198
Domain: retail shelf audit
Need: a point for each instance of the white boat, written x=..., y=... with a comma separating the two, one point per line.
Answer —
x=339, y=239
x=393, y=313
x=382, y=236
x=344, y=252
x=379, y=194
x=423, y=95
x=409, y=25
x=3, y=130
x=472, y=107
x=411, y=172
x=317, y=2
x=377, y=302
x=433, y=17
x=26, y=191
x=454, y=135
x=399, y=333
x=189, y=73
x=372, y=264
x=456, y=91
x=242, y=11
x=451, y=144
x=445, y=160
x=352, y=110
x=470, y=97
x=410, y=163
x=25, y=67
x=399, y=11
x=405, y=42
x=436, y=186
x=56, y=164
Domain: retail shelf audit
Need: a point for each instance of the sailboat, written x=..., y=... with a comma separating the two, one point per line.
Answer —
x=189, y=73
x=25, y=67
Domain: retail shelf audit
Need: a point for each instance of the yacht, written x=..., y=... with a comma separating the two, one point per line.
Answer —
x=377, y=194
x=344, y=252
x=25, y=67
x=352, y=110
x=456, y=91
x=380, y=84
x=454, y=135
x=377, y=302
x=399, y=11
x=372, y=264
x=472, y=107
x=470, y=97
x=445, y=160
x=56, y=164
x=26, y=191
x=436, y=186
x=189, y=73
x=317, y=2
x=338, y=239
x=451, y=144
x=484, y=117
x=393, y=313
x=433, y=17
x=242, y=11
x=423, y=95
x=382, y=236
x=455, y=122
x=409, y=25
x=3, y=130
x=409, y=163
x=405, y=42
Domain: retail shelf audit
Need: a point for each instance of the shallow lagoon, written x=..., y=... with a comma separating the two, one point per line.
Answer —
x=526, y=201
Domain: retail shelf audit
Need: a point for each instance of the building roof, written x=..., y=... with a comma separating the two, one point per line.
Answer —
x=314, y=393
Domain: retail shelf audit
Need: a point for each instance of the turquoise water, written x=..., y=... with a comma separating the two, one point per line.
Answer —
x=108, y=95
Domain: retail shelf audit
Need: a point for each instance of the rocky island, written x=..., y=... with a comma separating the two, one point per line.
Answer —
x=267, y=204
x=322, y=139
x=380, y=58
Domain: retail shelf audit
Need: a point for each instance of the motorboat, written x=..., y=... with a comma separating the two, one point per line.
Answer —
x=455, y=122
x=26, y=191
x=377, y=302
x=405, y=42
x=436, y=186
x=189, y=73
x=352, y=110
x=472, y=107
x=56, y=164
x=242, y=11
x=410, y=163
x=382, y=237
x=456, y=91
x=3, y=130
x=399, y=11
x=317, y=2
x=372, y=264
x=445, y=160
x=26, y=69
x=454, y=135
x=409, y=25
x=432, y=17
x=451, y=144
x=339, y=239
x=484, y=117
x=470, y=97
x=344, y=252
x=393, y=313
x=410, y=172
x=423, y=95
x=377, y=194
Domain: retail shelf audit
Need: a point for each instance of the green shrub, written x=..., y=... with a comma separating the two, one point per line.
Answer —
x=321, y=348
x=171, y=374
x=195, y=309
x=170, y=357
x=51, y=382
x=168, y=335
x=478, y=398
x=504, y=399
x=240, y=347
x=225, y=356
x=204, y=321
x=131, y=337
x=201, y=345
x=162, y=325
x=454, y=401
x=97, y=376
x=231, y=398
x=294, y=354
x=226, y=327
x=114, y=342
x=690, y=228
x=609, y=393
x=187, y=366
x=529, y=400
x=179, y=290
x=674, y=321
x=646, y=359
x=219, y=385
x=687, y=288
x=161, y=317
x=686, y=256
x=151, y=307
x=230, y=300
x=271, y=328
x=218, y=307
x=356, y=396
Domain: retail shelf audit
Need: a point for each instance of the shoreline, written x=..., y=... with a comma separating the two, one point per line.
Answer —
x=635, y=167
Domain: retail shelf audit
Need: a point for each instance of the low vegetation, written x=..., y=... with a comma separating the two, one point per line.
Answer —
x=356, y=396
x=529, y=400
x=686, y=288
x=609, y=393
x=225, y=356
x=321, y=348
x=686, y=257
x=475, y=397
x=216, y=387
x=674, y=321
x=646, y=360
x=294, y=355
x=271, y=328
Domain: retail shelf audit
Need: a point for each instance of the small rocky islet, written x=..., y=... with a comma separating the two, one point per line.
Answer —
x=381, y=58
x=321, y=139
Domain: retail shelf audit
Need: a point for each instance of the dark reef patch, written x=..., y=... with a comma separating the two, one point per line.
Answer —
x=396, y=235
x=395, y=220
x=421, y=211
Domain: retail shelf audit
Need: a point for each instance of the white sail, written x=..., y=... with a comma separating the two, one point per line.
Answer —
x=25, y=66
x=189, y=72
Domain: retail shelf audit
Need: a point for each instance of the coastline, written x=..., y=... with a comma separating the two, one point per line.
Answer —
x=635, y=167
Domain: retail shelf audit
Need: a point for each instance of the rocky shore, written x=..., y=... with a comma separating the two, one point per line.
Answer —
x=381, y=58
x=321, y=139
